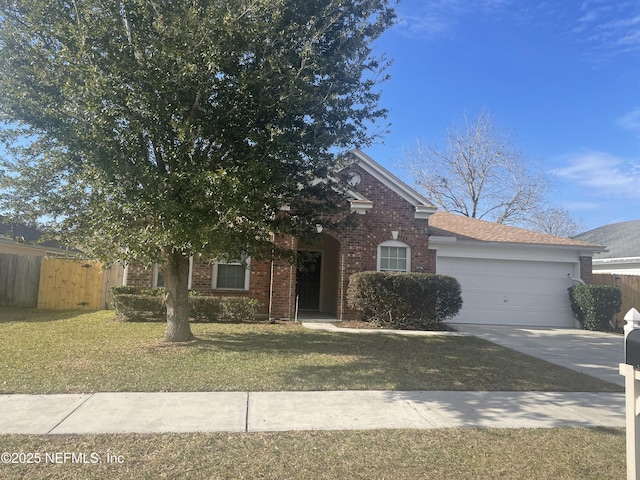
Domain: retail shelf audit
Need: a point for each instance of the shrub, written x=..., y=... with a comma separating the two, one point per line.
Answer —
x=138, y=308
x=238, y=309
x=223, y=309
x=122, y=289
x=405, y=300
x=595, y=305
x=205, y=309
x=154, y=292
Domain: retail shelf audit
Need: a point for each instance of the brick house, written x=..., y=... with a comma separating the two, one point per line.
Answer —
x=392, y=234
x=395, y=233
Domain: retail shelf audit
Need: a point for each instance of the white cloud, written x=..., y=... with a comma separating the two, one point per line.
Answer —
x=599, y=28
x=606, y=174
x=578, y=205
x=631, y=120
x=433, y=18
x=608, y=27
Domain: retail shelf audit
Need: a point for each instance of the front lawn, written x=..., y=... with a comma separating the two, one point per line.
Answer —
x=456, y=454
x=75, y=352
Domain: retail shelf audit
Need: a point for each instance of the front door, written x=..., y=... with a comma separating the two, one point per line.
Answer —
x=308, y=280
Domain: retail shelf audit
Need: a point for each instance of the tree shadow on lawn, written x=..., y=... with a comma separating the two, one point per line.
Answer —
x=310, y=342
x=35, y=315
x=351, y=361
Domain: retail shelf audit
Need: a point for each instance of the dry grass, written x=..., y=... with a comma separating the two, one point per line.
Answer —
x=71, y=352
x=381, y=454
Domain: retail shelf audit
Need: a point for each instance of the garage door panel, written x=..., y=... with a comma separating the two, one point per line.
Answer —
x=511, y=292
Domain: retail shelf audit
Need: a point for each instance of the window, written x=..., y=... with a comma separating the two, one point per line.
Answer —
x=231, y=276
x=158, y=277
x=157, y=280
x=394, y=256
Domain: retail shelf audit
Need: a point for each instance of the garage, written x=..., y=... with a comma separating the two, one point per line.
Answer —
x=512, y=292
x=509, y=275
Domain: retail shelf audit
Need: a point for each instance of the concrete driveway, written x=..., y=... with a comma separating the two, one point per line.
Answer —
x=593, y=353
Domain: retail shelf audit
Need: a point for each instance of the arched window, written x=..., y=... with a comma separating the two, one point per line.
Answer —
x=394, y=256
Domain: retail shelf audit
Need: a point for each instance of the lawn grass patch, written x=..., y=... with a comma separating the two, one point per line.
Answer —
x=568, y=453
x=75, y=352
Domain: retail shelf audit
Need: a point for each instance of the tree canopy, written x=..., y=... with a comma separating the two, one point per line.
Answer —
x=152, y=130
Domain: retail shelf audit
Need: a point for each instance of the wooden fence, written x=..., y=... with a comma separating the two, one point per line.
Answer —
x=630, y=288
x=19, y=280
x=56, y=283
x=113, y=276
x=70, y=284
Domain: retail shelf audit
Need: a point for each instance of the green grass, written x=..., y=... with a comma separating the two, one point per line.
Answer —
x=573, y=453
x=75, y=352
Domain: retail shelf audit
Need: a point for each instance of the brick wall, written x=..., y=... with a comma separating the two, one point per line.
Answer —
x=139, y=276
x=359, y=247
x=283, y=289
x=586, y=270
x=202, y=281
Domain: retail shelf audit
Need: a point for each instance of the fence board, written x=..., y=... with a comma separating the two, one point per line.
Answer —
x=630, y=288
x=70, y=284
x=113, y=276
x=19, y=280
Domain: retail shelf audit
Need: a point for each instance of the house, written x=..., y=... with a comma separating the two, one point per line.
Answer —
x=18, y=239
x=622, y=241
x=508, y=275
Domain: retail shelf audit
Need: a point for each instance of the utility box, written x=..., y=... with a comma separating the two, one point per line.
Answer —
x=632, y=349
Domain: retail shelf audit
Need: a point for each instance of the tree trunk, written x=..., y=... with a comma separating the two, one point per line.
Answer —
x=176, y=278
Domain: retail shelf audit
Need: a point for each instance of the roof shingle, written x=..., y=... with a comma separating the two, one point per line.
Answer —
x=465, y=228
x=622, y=240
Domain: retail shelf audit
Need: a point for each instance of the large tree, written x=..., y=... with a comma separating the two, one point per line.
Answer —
x=479, y=172
x=154, y=130
x=555, y=221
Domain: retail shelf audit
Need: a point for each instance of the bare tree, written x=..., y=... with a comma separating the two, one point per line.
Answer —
x=555, y=221
x=479, y=173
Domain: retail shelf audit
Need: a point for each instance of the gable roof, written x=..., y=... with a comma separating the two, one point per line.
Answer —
x=622, y=240
x=424, y=208
x=458, y=227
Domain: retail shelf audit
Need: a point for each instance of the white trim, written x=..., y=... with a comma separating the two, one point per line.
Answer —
x=615, y=261
x=424, y=208
x=437, y=239
x=156, y=271
x=154, y=279
x=247, y=275
x=506, y=251
x=393, y=243
x=361, y=206
x=359, y=203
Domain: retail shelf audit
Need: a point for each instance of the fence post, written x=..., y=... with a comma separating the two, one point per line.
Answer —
x=632, y=394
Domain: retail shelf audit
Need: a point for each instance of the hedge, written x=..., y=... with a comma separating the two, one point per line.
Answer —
x=138, y=308
x=595, y=305
x=405, y=300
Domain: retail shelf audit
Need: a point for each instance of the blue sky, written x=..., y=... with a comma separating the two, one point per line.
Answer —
x=562, y=76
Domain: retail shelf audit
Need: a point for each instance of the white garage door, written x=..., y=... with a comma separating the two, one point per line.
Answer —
x=511, y=292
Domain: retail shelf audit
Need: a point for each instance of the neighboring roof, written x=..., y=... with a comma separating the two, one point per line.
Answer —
x=445, y=224
x=19, y=234
x=622, y=240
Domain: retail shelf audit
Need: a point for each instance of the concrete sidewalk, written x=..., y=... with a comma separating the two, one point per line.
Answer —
x=284, y=411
